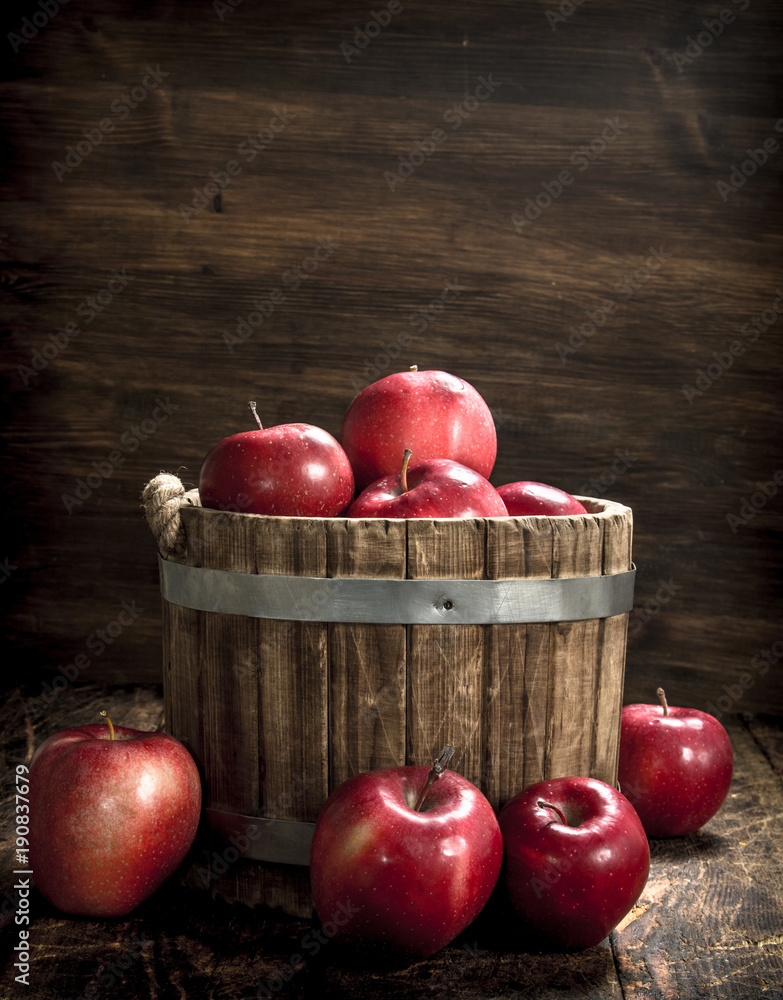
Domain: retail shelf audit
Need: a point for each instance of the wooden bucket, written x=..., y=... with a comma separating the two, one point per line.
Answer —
x=300, y=651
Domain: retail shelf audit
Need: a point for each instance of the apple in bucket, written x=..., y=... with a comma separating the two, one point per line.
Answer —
x=292, y=470
x=525, y=498
x=435, y=414
x=436, y=487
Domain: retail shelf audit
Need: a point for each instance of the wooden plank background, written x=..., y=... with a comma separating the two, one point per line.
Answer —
x=672, y=268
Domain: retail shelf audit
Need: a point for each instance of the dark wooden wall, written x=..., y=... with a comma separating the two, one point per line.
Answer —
x=672, y=265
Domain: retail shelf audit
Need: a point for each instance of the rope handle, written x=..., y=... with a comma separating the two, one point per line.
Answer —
x=162, y=498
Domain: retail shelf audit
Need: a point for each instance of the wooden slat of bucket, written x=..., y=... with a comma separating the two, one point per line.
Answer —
x=617, y=544
x=292, y=699
x=211, y=687
x=292, y=678
x=366, y=662
x=516, y=665
x=573, y=652
x=181, y=671
x=227, y=683
x=445, y=662
x=182, y=653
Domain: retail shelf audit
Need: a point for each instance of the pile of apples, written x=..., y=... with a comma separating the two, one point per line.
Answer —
x=413, y=444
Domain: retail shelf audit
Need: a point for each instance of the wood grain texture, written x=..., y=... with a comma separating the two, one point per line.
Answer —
x=367, y=663
x=446, y=662
x=608, y=416
x=617, y=544
x=516, y=666
x=707, y=923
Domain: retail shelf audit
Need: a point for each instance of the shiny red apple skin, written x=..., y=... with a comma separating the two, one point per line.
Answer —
x=435, y=414
x=528, y=498
x=570, y=885
x=408, y=881
x=676, y=768
x=437, y=487
x=110, y=820
x=290, y=470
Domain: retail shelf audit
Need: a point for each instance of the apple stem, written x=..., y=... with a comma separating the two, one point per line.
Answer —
x=662, y=695
x=438, y=768
x=414, y=368
x=406, y=457
x=255, y=414
x=111, y=727
x=548, y=805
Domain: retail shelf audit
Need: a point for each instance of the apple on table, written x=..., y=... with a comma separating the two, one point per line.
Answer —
x=293, y=470
x=435, y=414
x=576, y=859
x=436, y=487
x=113, y=812
x=675, y=766
x=404, y=858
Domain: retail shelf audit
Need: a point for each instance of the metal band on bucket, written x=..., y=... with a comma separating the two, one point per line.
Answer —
x=407, y=602
x=283, y=841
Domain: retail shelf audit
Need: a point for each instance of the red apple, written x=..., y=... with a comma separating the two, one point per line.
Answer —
x=525, y=498
x=675, y=766
x=402, y=880
x=436, y=487
x=113, y=812
x=293, y=470
x=576, y=860
x=435, y=414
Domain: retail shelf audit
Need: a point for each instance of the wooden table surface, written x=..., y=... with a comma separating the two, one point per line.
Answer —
x=708, y=923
